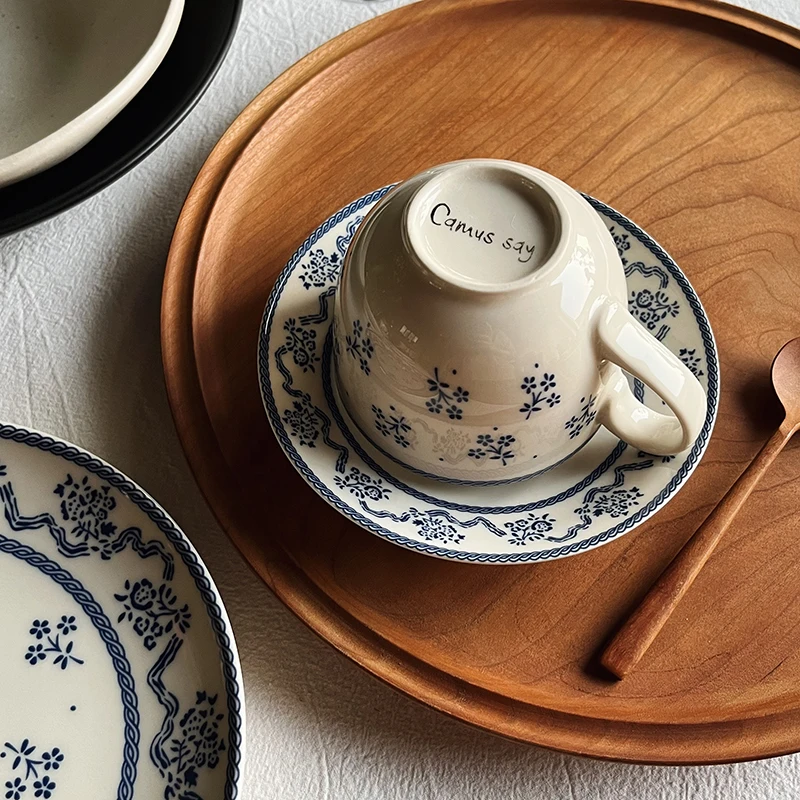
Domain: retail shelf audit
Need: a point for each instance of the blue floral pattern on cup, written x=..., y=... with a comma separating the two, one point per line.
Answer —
x=393, y=425
x=445, y=398
x=576, y=424
x=493, y=449
x=541, y=392
x=359, y=345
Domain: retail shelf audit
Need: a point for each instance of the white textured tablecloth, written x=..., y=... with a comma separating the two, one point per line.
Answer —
x=80, y=358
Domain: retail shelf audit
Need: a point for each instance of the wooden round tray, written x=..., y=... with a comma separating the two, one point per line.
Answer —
x=682, y=114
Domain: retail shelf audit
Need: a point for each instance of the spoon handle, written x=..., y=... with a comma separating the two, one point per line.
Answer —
x=637, y=634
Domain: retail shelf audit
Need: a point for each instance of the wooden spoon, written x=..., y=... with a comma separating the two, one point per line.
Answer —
x=642, y=627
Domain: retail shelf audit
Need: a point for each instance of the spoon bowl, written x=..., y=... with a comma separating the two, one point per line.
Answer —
x=640, y=630
x=786, y=382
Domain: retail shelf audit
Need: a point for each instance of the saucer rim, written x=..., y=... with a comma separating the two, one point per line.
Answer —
x=677, y=481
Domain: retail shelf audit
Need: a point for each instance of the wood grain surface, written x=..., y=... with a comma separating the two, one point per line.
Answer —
x=633, y=640
x=684, y=115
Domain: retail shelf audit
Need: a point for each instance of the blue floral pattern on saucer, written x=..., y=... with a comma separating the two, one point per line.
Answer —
x=602, y=491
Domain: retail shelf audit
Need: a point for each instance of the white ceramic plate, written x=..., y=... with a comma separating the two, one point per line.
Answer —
x=119, y=676
x=67, y=67
x=605, y=490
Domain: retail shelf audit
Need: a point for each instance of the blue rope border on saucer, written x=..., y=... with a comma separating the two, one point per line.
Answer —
x=229, y=660
x=683, y=473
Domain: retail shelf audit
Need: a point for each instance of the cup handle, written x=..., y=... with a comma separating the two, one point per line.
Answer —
x=625, y=343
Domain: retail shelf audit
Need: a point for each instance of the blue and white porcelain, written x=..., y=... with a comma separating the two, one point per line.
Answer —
x=484, y=302
x=119, y=676
x=601, y=492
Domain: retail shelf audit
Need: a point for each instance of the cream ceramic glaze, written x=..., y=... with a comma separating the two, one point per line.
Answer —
x=479, y=322
x=67, y=68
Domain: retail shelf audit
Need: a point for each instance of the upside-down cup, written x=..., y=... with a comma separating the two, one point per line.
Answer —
x=481, y=329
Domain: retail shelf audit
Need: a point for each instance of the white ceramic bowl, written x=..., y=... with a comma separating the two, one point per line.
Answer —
x=67, y=68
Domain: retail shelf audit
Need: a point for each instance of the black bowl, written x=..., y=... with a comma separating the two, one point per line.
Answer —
x=203, y=38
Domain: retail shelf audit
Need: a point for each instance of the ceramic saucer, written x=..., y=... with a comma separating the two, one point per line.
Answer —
x=119, y=675
x=605, y=490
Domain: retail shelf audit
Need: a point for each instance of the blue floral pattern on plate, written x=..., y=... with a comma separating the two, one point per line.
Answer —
x=61, y=651
x=601, y=492
x=30, y=767
x=98, y=542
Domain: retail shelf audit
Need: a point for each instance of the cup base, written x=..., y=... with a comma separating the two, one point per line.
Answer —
x=482, y=224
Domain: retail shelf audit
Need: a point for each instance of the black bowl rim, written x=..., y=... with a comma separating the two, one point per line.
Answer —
x=96, y=182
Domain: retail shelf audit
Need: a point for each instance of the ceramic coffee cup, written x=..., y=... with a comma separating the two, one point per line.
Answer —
x=481, y=325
